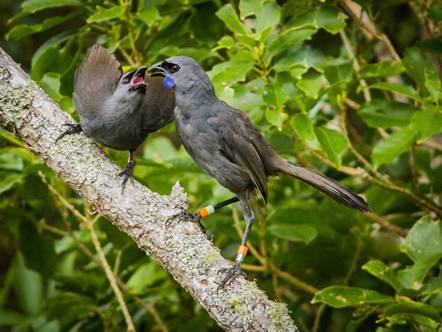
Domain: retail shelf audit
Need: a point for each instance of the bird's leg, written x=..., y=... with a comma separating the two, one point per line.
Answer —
x=128, y=170
x=74, y=128
x=202, y=212
x=233, y=272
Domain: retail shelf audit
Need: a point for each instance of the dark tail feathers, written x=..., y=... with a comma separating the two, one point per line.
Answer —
x=328, y=186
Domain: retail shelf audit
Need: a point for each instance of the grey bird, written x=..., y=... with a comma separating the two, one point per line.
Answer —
x=225, y=143
x=116, y=110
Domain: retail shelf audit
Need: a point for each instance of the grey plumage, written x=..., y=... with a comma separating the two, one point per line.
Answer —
x=116, y=110
x=225, y=143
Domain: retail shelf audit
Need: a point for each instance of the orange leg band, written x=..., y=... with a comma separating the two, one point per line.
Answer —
x=243, y=250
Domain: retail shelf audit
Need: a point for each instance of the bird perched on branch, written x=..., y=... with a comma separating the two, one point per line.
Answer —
x=224, y=142
x=116, y=110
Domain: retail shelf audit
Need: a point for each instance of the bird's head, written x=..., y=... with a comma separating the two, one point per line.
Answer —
x=183, y=74
x=131, y=88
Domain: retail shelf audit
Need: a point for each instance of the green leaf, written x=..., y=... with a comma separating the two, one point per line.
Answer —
x=433, y=85
x=55, y=40
x=11, y=318
x=230, y=72
x=28, y=287
x=333, y=143
x=330, y=18
x=295, y=233
x=102, y=14
x=381, y=113
x=412, y=307
x=33, y=6
x=388, y=149
x=423, y=245
x=402, y=89
x=149, y=15
x=289, y=38
x=145, y=276
x=383, y=272
x=327, y=17
x=423, y=72
x=38, y=249
x=381, y=69
x=249, y=7
x=342, y=296
x=303, y=127
x=22, y=30
x=268, y=16
x=426, y=123
x=228, y=15
x=310, y=84
x=51, y=83
x=9, y=181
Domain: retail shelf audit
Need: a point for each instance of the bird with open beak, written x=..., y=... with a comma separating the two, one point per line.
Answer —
x=118, y=110
x=225, y=143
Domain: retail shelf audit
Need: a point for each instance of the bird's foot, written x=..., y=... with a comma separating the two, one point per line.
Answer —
x=73, y=128
x=127, y=173
x=231, y=274
x=188, y=216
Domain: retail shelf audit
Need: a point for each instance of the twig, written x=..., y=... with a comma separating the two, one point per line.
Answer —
x=104, y=263
x=368, y=26
x=317, y=321
x=149, y=307
x=356, y=65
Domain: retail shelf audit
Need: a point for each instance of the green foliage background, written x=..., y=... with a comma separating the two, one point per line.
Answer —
x=357, y=98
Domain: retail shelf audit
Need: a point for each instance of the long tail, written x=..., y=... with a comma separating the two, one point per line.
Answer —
x=328, y=186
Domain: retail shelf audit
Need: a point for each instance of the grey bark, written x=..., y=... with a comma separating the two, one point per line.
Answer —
x=180, y=248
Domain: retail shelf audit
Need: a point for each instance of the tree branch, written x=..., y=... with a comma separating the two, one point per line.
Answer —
x=180, y=248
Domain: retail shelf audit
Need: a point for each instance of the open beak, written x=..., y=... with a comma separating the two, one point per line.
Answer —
x=157, y=70
x=138, y=80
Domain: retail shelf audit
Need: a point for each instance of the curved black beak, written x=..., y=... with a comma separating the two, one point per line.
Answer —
x=157, y=70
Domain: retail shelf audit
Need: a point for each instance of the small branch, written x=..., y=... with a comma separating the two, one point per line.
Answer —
x=356, y=65
x=103, y=261
x=148, y=307
x=317, y=321
x=362, y=19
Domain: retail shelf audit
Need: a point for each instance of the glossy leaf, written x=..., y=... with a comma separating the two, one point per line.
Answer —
x=228, y=15
x=342, y=296
x=381, y=113
x=304, y=129
x=333, y=143
x=402, y=89
x=102, y=15
x=388, y=149
x=295, y=233
x=383, y=272
x=267, y=17
x=424, y=246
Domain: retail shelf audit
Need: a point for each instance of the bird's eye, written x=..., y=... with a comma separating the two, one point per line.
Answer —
x=125, y=80
x=174, y=68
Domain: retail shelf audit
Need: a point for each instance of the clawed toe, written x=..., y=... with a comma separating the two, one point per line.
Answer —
x=232, y=273
x=186, y=215
x=73, y=128
x=127, y=173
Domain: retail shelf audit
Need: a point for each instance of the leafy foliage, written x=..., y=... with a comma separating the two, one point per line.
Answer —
x=359, y=104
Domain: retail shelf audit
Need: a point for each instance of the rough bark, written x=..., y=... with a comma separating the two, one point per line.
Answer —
x=180, y=248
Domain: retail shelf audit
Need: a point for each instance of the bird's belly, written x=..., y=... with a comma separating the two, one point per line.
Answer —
x=114, y=134
x=206, y=153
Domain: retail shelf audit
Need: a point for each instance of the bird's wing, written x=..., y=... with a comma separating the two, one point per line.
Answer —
x=95, y=80
x=236, y=140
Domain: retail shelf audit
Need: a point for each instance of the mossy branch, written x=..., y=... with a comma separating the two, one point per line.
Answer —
x=180, y=248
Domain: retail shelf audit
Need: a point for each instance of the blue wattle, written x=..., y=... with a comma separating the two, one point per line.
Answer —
x=168, y=82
